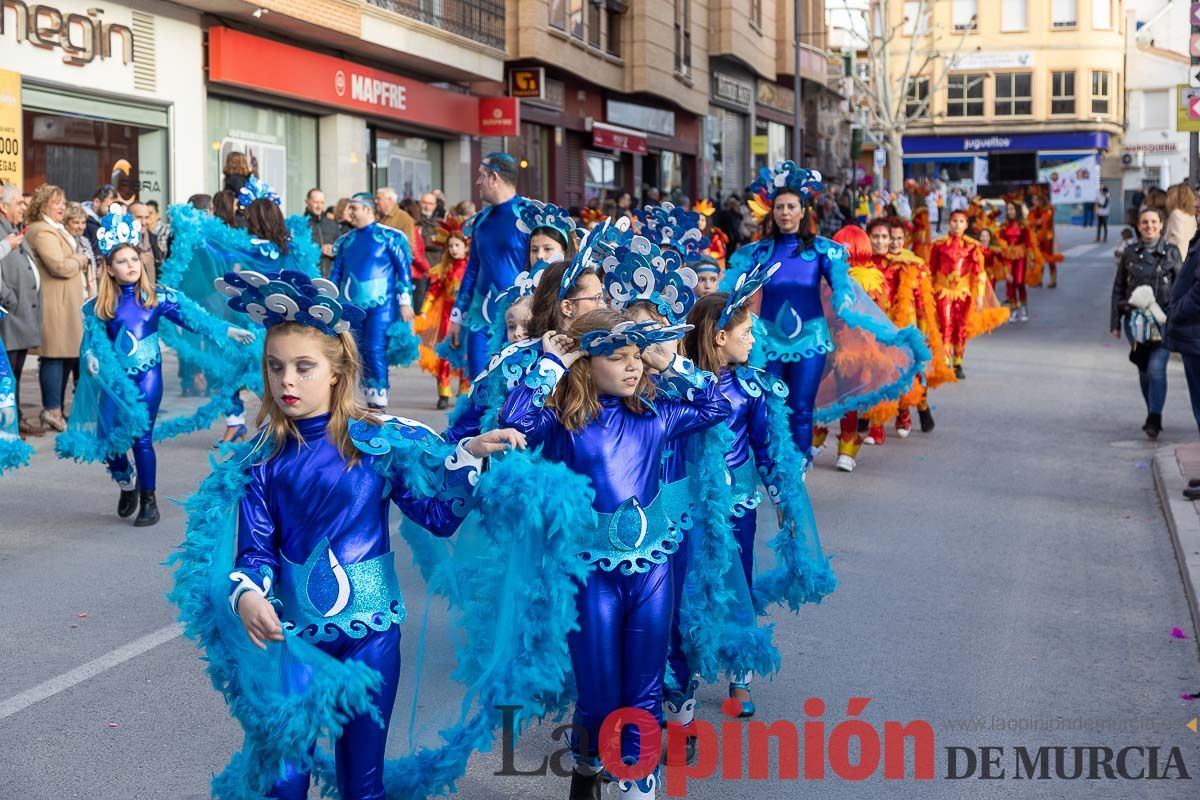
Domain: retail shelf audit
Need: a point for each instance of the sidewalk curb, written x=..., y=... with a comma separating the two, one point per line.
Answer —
x=1184, y=523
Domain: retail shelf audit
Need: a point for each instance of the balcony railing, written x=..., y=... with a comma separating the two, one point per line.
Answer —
x=479, y=20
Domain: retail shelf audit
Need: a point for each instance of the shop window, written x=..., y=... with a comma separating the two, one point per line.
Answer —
x=1062, y=92
x=575, y=18
x=281, y=146
x=602, y=177
x=683, y=37
x=1100, y=93
x=1014, y=16
x=964, y=96
x=916, y=17
x=916, y=102
x=964, y=14
x=558, y=14
x=1014, y=94
x=409, y=164
x=1102, y=15
x=1062, y=13
x=777, y=142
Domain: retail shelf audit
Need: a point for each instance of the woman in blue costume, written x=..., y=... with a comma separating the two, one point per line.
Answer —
x=308, y=570
x=719, y=610
x=116, y=409
x=560, y=293
x=372, y=268
x=13, y=452
x=590, y=405
x=794, y=329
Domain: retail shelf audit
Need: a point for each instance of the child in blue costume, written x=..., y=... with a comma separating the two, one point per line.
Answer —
x=794, y=330
x=500, y=251
x=120, y=348
x=760, y=450
x=372, y=268
x=313, y=557
x=13, y=452
x=590, y=405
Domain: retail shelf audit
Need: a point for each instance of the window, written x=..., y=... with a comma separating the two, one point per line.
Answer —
x=683, y=37
x=756, y=14
x=1062, y=92
x=575, y=18
x=1100, y=93
x=593, y=23
x=916, y=18
x=614, y=12
x=558, y=14
x=916, y=102
x=1102, y=14
x=1156, y=109
x=965, y=96
x=964, y=14
x=1062, y=13
x=1014, y=94
x=602, y=178
x=1014, y=15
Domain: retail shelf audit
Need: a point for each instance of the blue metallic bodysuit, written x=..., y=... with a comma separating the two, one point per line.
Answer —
x=313, y=536
x=133, y=330
x=624, y=608
x=372, y=268
x=499, y=252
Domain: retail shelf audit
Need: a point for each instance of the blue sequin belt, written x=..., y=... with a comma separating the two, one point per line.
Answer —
x=789, y=338
x=321, y=598
x=141, y=356
x=633, y=538
x=371, y=293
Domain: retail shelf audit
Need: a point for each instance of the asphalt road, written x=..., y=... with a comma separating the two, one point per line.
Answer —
x=1008, y=579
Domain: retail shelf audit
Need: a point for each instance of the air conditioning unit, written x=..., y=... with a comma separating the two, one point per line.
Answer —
x=1135, y=160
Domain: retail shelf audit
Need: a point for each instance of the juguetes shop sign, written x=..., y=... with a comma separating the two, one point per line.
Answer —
x=82, y=38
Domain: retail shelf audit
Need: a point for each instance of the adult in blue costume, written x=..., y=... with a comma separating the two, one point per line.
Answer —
x=796, y=331
x=121, y=341
x=499, y=252
x=13, y=451
x=599, y=421
x=372, y=268
x=295, y=596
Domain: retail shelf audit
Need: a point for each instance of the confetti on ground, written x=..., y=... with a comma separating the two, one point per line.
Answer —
x=82, y=615
x=1178, y=633
x=113, y=725
x=1141, y=465
x=1187, y=696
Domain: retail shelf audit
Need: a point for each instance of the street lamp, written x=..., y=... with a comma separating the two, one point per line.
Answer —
x=797, y=112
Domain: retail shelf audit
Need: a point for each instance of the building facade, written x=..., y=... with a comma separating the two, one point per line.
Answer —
x=1032, y=91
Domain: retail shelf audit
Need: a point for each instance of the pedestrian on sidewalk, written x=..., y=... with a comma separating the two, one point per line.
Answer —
x=1181, y=217
x=1182, y=331
x=20, y=294
x=1103, y=206
x=1152, y=263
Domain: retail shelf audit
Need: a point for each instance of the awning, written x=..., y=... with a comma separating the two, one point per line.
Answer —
x=614, y=137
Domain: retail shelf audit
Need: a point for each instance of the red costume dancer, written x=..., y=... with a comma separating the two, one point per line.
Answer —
x=718, y=240
x=434, y=322
x=957, y=265
x=922, y=234
x=1016, y=245
x=1041, y=226
x=993, y=264
x=591, y=217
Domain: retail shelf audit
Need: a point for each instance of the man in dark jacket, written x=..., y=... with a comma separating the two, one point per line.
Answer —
x=324, y=230
x=95, y=209
x=22, y=328
x=1182, y=332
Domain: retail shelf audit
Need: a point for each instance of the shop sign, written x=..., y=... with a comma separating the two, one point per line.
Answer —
x=11, y=128
x=760, y=145
x=1154, y=147
x=499, y=116
x=731, y=90
x=992, y=60
x=780, y=98
x=528, y=82
x=614, y=138
x=81, y=37
x=241, y=59
x=1013, y=142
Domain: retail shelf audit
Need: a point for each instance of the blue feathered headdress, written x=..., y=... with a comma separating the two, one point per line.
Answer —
x=640, y=334
x=747, y=284
x=534, y=214
x=256, y=189
x=274, y=297
x=640, y=270
x=597, y=244
x=667, y=224
x=116, y=230
x=787, y=174
x=524, y=285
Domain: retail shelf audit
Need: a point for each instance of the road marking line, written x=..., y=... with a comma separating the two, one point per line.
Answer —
x=91, y=669
x=1080, y=249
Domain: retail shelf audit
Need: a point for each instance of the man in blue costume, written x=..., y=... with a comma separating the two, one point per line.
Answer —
x=499, y=251
x=372, y=267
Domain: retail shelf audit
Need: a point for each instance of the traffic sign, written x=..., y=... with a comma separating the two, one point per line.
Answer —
x=1196, y=15
x=1195, y=47
x=1185, y=122
x=1195, y=82
x=1194, y=107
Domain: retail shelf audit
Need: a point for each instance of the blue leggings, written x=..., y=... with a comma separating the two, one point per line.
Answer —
x=477, y=351
x=619, y=651
x=149, y=383
x=372, y=346
x=359, y=751
x=803, y=378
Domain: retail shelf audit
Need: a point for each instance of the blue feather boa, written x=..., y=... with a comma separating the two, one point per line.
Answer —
x=403, y=346
x=14, y=453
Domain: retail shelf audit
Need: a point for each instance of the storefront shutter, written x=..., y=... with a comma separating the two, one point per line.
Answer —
x=490, y=144
x=733, y=153
x=573, y=186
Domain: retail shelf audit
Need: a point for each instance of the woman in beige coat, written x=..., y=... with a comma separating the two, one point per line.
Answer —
x=62, y=266
x=1181, y=221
